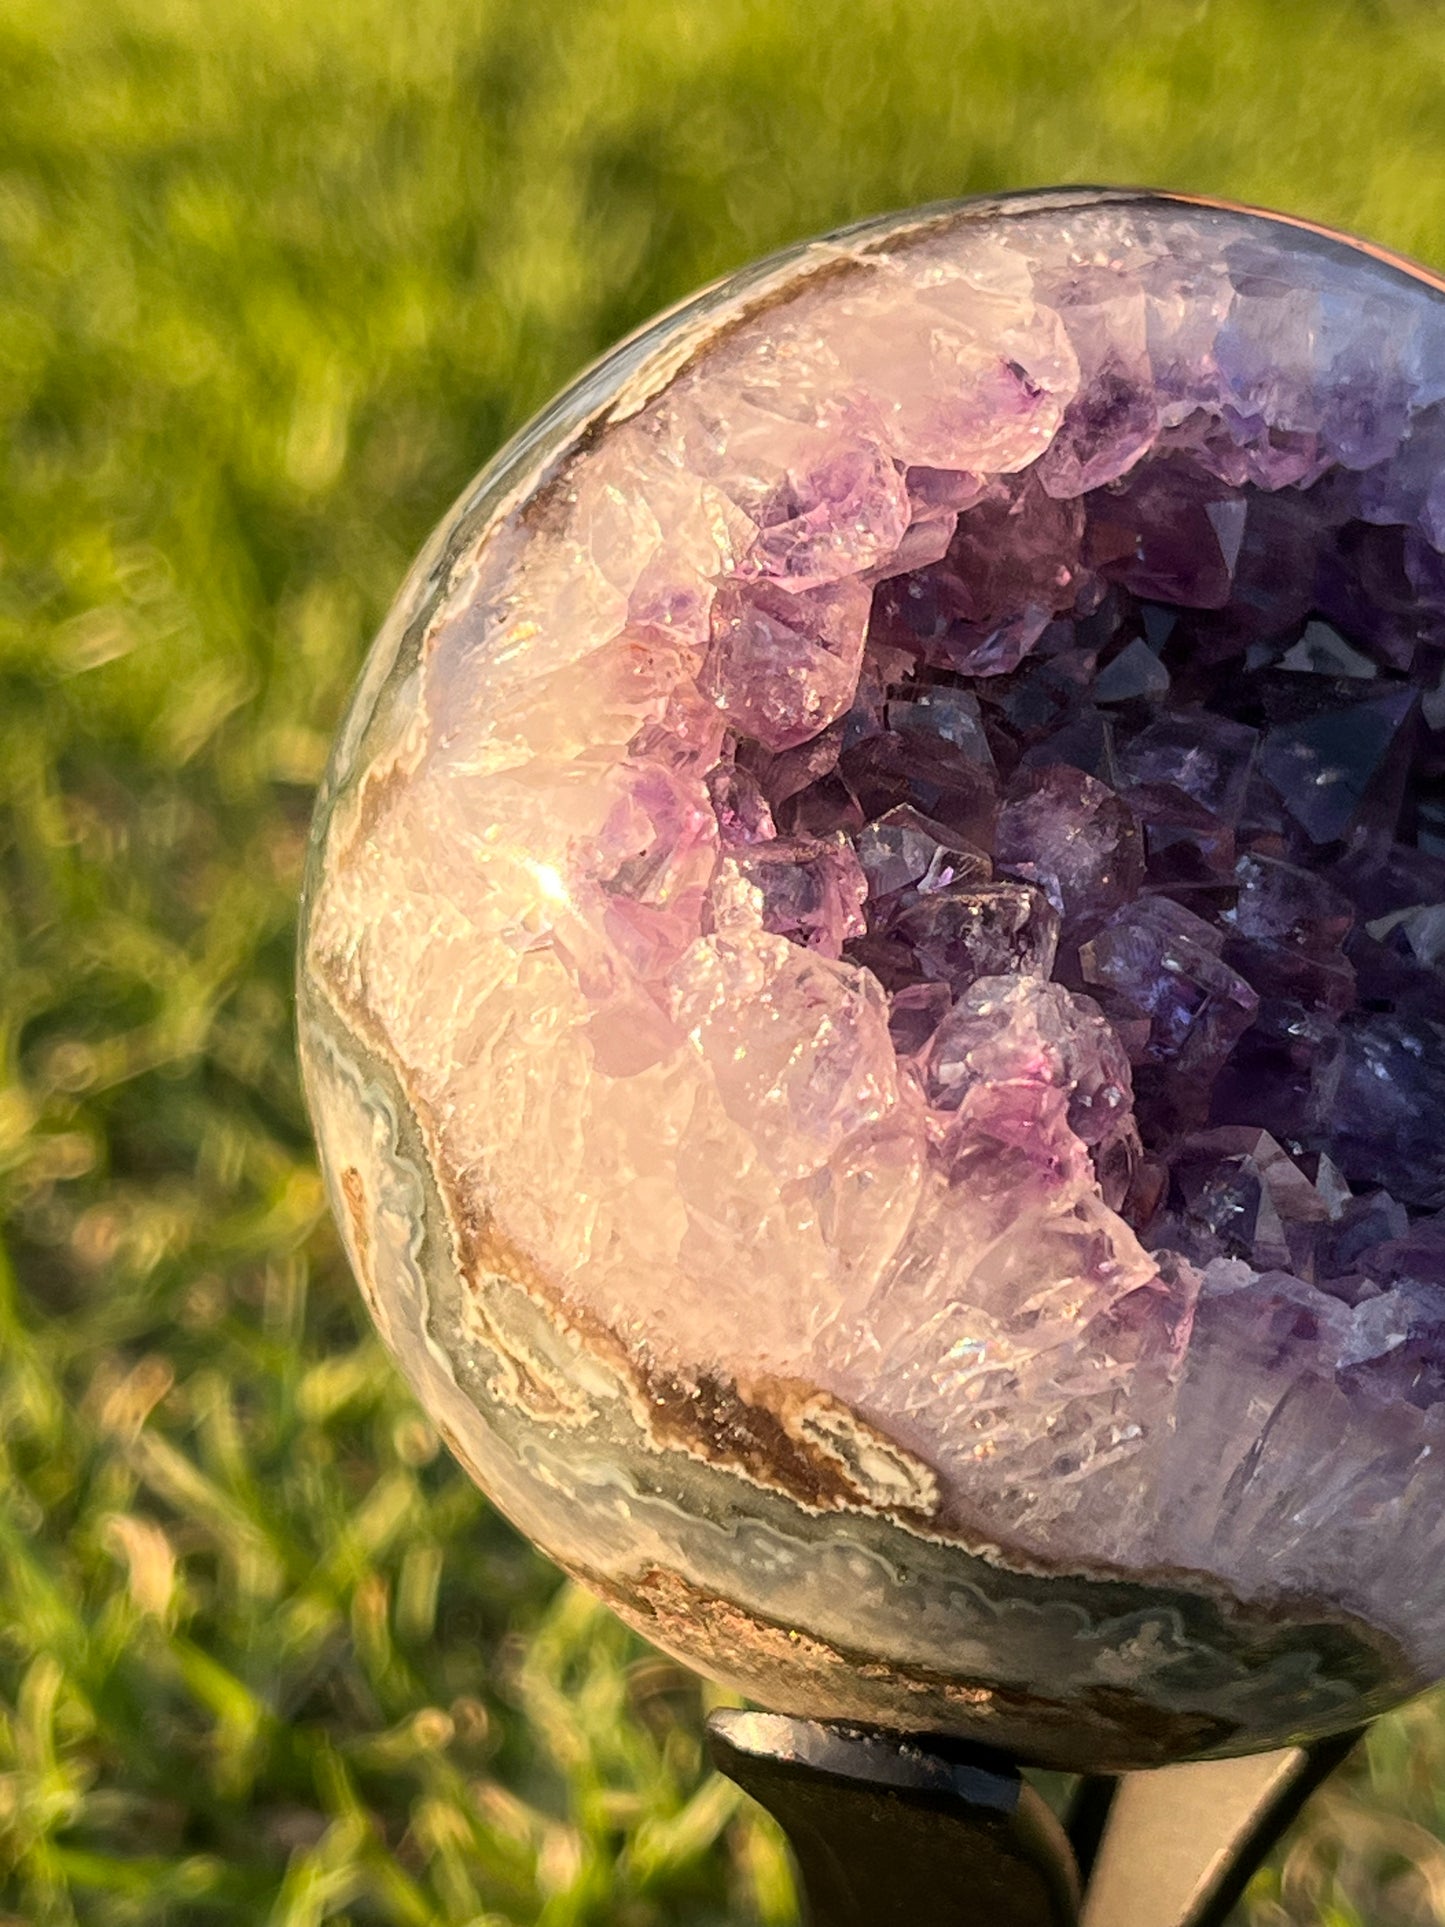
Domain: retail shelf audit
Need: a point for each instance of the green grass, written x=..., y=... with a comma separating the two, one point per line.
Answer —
x=274, y=279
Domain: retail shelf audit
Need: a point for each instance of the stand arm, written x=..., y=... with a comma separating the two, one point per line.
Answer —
x=898, y=1830
x=892, y=1832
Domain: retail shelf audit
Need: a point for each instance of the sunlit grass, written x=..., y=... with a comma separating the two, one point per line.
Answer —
x=275, y=276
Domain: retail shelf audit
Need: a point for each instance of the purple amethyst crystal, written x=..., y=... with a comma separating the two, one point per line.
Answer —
x=934, y=775
x=874, y=988
x=1166, y=963
x=1342, y=763
x=905, y=856
x=810, y=889
x=784, y=662
x=1021, y=1035
x=1378, y=1098
x=970, y=930
x=1074, y=837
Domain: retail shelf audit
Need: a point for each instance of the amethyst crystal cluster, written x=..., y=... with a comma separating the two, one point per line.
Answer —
x=1204, y=801
x=872, y=987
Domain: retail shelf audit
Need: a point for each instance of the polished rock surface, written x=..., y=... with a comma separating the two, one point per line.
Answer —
x=872, y=987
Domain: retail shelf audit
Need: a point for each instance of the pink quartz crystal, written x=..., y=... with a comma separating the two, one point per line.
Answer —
x=873, y=986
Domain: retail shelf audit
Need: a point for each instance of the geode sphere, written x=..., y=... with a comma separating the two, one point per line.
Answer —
x=872, y=985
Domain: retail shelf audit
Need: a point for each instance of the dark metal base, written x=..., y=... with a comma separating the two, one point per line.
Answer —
x=902, y=1830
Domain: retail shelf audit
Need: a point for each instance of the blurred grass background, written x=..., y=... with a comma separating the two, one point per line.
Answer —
x=275, y=277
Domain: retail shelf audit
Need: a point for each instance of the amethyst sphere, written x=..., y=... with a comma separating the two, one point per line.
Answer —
x=872, y=985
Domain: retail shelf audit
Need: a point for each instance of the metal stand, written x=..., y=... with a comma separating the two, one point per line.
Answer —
x=899, y=1830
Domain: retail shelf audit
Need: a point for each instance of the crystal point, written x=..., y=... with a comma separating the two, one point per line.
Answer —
x=964, y=931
